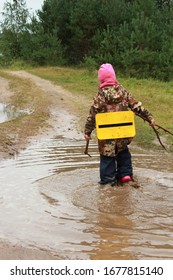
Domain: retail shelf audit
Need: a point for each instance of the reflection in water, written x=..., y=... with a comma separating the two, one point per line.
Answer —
x=51, y=200
x=131, y=223
x=113, y=225
x=8, y=113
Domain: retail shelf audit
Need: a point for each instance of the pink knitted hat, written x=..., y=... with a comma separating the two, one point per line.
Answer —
x=106, y=75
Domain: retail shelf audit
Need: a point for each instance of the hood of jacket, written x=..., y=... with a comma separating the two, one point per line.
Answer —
x=106, y=75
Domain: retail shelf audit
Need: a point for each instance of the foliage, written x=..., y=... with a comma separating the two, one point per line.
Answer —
x=135, y=36
x=24, y=38
x=14, y=24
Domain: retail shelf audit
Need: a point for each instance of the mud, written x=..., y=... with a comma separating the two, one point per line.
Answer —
x=53, y=208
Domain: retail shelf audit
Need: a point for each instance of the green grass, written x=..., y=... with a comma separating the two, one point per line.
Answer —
x=156, y=96
x=75, y=80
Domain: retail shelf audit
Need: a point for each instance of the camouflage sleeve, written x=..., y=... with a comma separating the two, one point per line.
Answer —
x=90, y=122
x=138, y=109
x=97, y=106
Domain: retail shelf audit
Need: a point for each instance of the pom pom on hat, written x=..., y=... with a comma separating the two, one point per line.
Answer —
x=106, y=75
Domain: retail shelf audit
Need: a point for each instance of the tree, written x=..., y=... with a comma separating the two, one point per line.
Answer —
x=14, y=25
x=46, y=47
x=134, y=35
x=26, y=38
x=163, y=3
x=55, y=18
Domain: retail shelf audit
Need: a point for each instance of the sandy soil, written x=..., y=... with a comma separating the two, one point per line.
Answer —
x=59, y=98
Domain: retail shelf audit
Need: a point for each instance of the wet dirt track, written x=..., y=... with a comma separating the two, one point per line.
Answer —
x=50, y=199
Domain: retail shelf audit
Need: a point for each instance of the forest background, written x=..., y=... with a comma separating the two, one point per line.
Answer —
x=135, y=36
x=66, y=41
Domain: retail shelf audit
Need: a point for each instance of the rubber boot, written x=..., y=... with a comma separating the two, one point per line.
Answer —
x=125, y=179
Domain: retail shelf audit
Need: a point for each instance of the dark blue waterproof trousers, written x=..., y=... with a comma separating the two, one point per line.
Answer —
x=114, y=168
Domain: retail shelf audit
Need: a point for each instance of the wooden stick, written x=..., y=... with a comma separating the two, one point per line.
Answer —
x=158, y=137
x=164, y=129
x=86, y=148
x=156, y=132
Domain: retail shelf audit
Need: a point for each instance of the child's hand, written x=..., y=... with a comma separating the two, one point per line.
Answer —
x=87, y=137
x=152, y=122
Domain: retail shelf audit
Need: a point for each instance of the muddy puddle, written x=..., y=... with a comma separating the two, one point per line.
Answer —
x=8, y=113
x=50, y=199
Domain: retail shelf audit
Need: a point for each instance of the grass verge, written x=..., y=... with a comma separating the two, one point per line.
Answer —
x=26, y=97
x=156, y=96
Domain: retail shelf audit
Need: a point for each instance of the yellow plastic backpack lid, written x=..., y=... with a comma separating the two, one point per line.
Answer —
x=114, y=125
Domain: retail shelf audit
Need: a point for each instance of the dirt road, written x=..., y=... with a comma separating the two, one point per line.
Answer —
x=57, y=99
x=60, y=100
x=52, y=206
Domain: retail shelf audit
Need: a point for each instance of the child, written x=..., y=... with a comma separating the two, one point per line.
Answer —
x=115, y=157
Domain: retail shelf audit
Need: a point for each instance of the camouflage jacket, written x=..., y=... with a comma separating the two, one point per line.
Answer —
x=113, y=99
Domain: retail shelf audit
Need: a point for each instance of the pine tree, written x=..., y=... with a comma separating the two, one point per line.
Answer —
x=14, y=25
